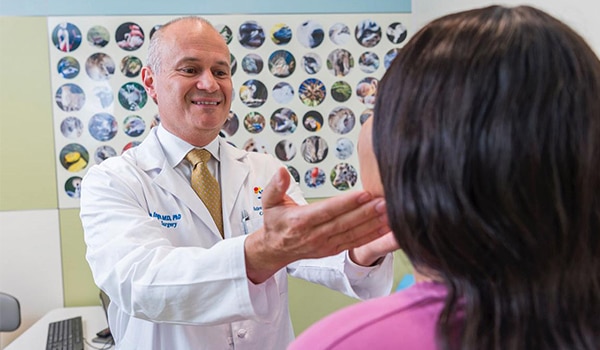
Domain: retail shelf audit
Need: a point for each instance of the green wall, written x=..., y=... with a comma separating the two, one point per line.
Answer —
x=28, y=173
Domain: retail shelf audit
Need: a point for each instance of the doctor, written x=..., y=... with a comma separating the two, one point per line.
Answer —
x=174, y=281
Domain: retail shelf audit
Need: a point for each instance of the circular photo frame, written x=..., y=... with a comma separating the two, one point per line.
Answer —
x=231, y=125
x=343, y=176
x=257, y=145
x=251, y=35
x=311, y=63
x=367, y=33
x=341, y=91
x=98, y=36
x=226, y=32
x=285, y=150
x=314, y=177
x=68, y=67
x=103, y=152
x=340, y=62
x=312, y=92
x=69, y=97
x=281, y=34
x=103, y=126
x=74, y=157
x=131, y=66
x=366, y=91
x=71, y=127
x=282, y=63
x=254, y=122
x=132, y=96
x=284, y=121
x=252, y=64
x=396, y=33
x=100, y=66
x=134, y=125
x=339, y=34
x=73, y=187
x=310, y=34
x=312, y=121
x=368, y=62
x=282, y=93
x=66, y=37
x=129, y=36
x=314, y=149
x=341, y=120
x=344, y=148
x=253, y=93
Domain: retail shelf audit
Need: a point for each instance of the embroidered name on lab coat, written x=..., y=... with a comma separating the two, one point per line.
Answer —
x=168, y=221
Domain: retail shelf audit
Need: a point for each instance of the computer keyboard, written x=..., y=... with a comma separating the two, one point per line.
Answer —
x=65, y=335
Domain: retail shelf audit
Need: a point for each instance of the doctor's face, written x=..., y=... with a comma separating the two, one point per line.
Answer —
x=192, y=86
x=369, y=170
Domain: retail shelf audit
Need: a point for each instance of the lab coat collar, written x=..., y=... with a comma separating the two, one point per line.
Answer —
x=234, y=171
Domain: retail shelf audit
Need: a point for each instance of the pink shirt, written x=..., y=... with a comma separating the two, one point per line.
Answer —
x=403, y=320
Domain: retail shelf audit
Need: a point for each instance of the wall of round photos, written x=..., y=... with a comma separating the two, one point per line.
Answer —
x=303, y=86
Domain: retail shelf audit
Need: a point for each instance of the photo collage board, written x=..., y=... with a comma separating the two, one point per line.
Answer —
x=302, y=87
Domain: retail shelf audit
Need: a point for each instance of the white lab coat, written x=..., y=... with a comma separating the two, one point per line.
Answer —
x=174, y=283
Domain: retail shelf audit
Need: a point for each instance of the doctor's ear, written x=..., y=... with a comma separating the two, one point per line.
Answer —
x=148, y=81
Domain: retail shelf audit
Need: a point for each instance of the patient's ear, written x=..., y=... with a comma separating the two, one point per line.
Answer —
x=369, y=170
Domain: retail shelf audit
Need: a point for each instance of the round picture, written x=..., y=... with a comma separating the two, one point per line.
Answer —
x=343, y=176
x=134, y=125
x=66, y=37
x=225, y=32
x=314, y=177
x=366, y=114
x=68, y=67
x=131, y=66
x=100, y=66
x=341, y=120
x=103, y=152
x=295, y=174
x=285, y=150
x=70, y=97
x=368, y=62
x=339, y=34
x=284, y=121
x=312, y=92
x=233, y=62
x=310, y=34
x=154, y=29
x=74, y=157
x=282, y=63
x=281, y=34
x=103, y=96
x=344, y=148
x=129, y=145
x=132, y=96
x=253, y=93
x=389, y=57
x=103, y=126
x=252, y=64
x=71, y=127
x=312, y=121
x=129, y=36
x=254, y=122
x=314, y=149
x=231, y=125
x=366, y=91
x=73, y=187
x=341, y=91
x=98, y=36
x=368, y=33
x=340, y=62
x=396, y=32
x=283, y=93
x=311, y=63
x=251, y=35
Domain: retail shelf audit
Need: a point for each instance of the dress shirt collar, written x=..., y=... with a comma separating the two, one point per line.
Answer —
x=175, y=148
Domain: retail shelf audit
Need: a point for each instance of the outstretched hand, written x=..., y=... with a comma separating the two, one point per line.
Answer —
x=292, y=232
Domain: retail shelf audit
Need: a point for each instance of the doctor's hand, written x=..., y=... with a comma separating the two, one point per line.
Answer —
x=292, y=232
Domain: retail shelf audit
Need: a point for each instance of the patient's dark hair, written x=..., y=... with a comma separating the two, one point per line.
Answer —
x=487, y=135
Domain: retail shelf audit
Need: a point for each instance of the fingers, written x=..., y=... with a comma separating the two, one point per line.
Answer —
x=274, y=192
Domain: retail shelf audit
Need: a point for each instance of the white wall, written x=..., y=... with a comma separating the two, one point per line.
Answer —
x=581, y=15
x=30, y=264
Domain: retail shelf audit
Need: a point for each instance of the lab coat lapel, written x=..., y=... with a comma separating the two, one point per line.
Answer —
x=234, y=172
x=152, y=160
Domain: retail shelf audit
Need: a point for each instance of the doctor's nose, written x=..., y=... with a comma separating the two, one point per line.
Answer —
x=207, y=82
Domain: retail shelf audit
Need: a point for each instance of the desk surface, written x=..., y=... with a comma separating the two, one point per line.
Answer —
x=93, y=319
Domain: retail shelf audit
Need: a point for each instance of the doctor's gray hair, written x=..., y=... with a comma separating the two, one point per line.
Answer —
x=154, y=60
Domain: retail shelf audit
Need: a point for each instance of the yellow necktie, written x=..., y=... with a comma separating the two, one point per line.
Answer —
x=205, y=185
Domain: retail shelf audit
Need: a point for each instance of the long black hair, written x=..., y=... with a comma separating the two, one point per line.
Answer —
x=491, y=166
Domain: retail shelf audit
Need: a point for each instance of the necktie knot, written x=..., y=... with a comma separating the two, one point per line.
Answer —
x=198, y=155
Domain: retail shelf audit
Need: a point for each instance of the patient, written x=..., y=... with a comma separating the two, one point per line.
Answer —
x=487, y=137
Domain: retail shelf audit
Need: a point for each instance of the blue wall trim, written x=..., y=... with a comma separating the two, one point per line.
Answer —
x=200, y=7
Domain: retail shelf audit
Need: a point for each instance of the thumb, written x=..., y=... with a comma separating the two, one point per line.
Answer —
x=274, y=192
